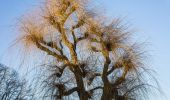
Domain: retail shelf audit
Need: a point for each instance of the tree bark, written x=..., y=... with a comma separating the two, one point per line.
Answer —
x=80, y=84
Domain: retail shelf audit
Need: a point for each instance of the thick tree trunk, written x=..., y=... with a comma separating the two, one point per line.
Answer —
x=80, y=84
x=107, y=92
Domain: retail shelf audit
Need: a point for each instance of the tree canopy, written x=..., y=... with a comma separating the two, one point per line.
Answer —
x=89, y=56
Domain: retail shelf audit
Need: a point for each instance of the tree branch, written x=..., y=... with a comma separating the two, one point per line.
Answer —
x=99, y=87
x=93, y=77
x=120, y=79
x=49, y=52
x=111, y=70
x=70, y=91
x=82, y=38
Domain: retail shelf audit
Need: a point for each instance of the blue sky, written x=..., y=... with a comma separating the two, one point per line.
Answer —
x=151, y=19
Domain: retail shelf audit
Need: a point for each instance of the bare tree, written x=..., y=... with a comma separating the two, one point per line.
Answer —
x=11, y=87
x=89, y=56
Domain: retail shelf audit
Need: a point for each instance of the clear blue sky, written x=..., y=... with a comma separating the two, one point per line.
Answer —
x=151, y=19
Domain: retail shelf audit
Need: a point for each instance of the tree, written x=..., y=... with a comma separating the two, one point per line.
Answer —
x=11, y=87
x=89, y=56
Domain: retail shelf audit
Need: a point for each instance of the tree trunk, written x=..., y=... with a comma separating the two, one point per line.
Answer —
x=80, y=84
x=107, y=93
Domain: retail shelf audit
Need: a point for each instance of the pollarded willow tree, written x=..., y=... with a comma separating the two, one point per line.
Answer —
x=90, y=58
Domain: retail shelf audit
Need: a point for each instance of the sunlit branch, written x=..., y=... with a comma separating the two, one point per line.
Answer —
x=49, y=52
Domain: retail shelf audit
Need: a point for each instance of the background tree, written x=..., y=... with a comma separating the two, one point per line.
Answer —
x=89, y=57
x=11, y=87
